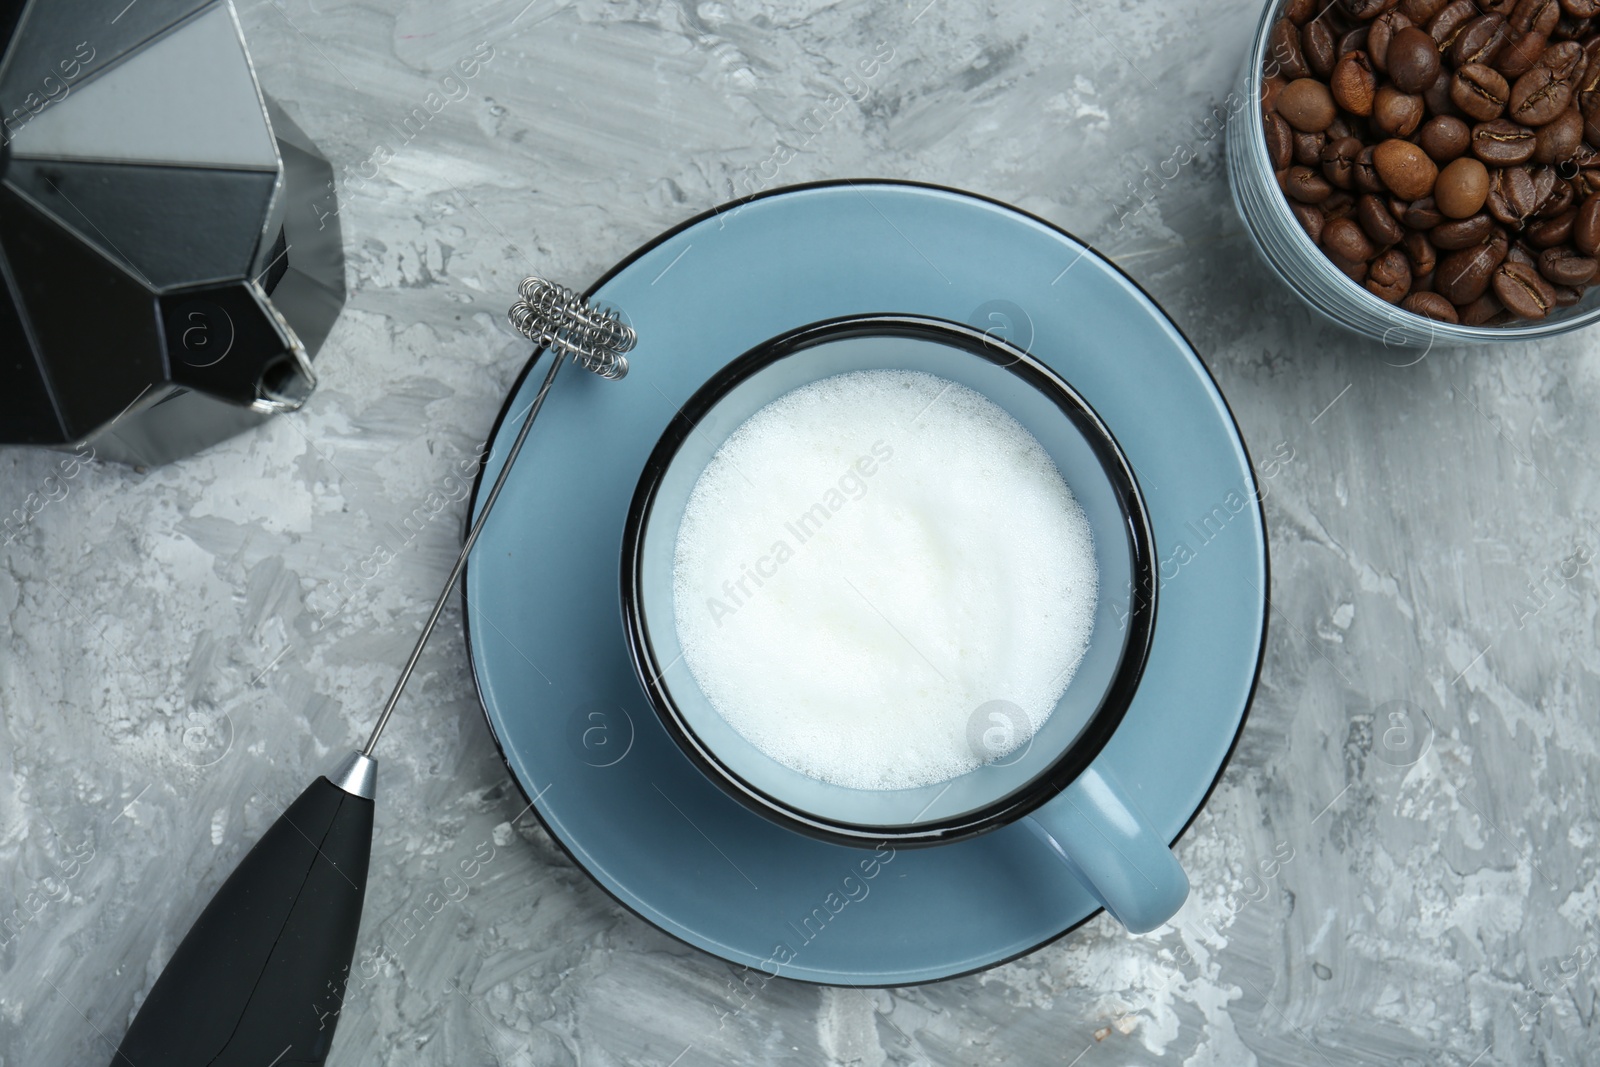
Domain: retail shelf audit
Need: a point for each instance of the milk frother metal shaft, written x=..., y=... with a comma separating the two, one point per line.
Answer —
x=559, y=320
x=260, y=977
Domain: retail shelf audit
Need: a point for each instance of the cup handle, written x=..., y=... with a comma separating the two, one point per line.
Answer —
x=1108, y=844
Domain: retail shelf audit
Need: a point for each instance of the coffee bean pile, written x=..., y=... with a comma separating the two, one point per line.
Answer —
x=1443, y=153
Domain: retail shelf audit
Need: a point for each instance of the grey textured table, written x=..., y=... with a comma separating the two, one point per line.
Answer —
x=1420, y=890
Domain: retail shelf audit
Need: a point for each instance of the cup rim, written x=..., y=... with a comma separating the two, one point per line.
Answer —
x=1102, y=723
x=1307, y=250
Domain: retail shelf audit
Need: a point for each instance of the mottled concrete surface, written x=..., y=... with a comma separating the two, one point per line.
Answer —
x=1369, y=889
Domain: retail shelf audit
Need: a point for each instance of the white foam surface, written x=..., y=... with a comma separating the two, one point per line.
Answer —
x=867, y=561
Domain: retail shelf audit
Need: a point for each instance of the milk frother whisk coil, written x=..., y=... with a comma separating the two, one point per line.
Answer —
x=553, y=316
x=260, y=978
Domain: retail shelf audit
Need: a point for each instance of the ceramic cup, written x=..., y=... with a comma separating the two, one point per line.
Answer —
x=1083, y=813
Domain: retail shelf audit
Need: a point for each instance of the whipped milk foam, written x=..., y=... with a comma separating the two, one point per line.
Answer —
x=870, y=559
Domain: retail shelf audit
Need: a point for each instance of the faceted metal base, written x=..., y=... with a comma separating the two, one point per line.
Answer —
x=306, y=284
x=170, y=254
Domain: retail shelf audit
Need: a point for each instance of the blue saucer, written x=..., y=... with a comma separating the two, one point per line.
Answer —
x=544, y=622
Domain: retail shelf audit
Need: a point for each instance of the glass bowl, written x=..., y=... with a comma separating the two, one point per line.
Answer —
x=1295, y=258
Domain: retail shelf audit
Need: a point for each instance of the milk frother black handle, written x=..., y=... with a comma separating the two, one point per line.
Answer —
x=260, y=977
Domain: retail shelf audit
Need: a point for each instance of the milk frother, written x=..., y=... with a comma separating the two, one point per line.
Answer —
x=260, y=977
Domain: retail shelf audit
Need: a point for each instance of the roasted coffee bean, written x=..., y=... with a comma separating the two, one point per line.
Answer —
x=1587, y=86
x=1396, y=264
x=1586, y=93
x=1559, y=202
x=1310, y=218
x=1559, y=139
x=1556, y=230
x=1420, y=11
x=1339, y=161
x=1535, y=16
x=1307, y=104
x=1366, y=172
x=1413, y=60
x=1581, y=9
x=1548, y=190
x=1482, y=311
x=1354, y=41
x=1512, y=197
x=1461, y=188
x=1355, y=270
x=1566, y=61
x=1341, y=127
x=1571, y=29
x=1405, y=168
x=1463, y=276
x=1586, y=227
x=1389, y=276
x=1344, y=237
x=1479, y=91
x=1521, y=52
x=1462, y=233
x=1280, y=140
x=1338, y=206
x=1563, y=198
x=1377, y=221
x=1521, y=253
x=1353, y=83
x=1283, y=50
x=1318, y=47
x=1367, y=10
x=1567, y=266
x=1422, y=214
x=1502, y=143
x=1395, y=113
x=1308, y=148
x=1380, y=35
x=1479, y=41
x=1380, y=221
x=1431, y=306
x=1523, y=290
x=1307, y=185
x=1300, y=12
x=1444, y=137
x=1421, y=252
x=1567, y=295
x=1450, y=21
x=1546, y=90
x=1271, y=89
